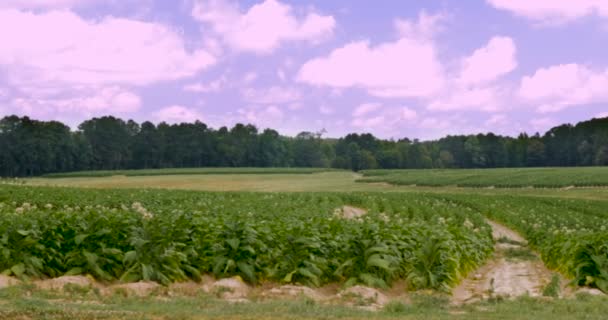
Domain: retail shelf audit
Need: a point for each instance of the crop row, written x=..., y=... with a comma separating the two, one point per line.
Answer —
x=500, y=178
x=571, y=235
x=168, y=236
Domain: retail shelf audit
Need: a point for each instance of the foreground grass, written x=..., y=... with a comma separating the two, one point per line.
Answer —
x=24, y=302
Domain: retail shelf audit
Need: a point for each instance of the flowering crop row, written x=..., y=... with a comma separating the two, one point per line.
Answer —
x=167, y=236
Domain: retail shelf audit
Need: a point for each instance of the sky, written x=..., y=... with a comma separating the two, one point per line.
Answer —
x=417, y=68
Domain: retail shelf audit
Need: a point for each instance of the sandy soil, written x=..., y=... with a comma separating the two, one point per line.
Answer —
x=501, y=276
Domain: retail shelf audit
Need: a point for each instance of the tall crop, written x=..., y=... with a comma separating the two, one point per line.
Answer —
x=168, y=236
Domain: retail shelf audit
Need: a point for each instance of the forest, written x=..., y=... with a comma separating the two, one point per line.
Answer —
x=30, y=147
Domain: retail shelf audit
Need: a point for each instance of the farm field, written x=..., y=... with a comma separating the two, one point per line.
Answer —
x=413, y=247
x=186, y=171
x=499, y=178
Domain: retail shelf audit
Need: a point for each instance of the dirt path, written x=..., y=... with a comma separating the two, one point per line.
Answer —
x=514, y=271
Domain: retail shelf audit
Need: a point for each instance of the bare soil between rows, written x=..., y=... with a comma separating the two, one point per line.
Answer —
x=504, y=276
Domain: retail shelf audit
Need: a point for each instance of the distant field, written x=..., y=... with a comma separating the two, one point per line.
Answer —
x=186, y=171
x=499, y=178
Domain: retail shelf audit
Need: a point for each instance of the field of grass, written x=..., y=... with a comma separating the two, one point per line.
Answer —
x=186, y=171
x=24, y=302
x=284, y=228
x=499, y=178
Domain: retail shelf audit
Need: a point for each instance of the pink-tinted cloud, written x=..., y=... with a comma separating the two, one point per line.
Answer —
x=475, y=85
x=177, y=114
x=213, y=86
x=559, y=87
x=490, y=62
x=366, y=108
x=405, y=68
x=44, y=4
x=79, y=104
x=62, y=48
x=272, y=95
x=476, y=99
x=426, y=27
x=553, y=11
x=264, y=27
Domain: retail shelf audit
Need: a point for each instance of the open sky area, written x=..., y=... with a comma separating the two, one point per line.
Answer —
x=417, y=69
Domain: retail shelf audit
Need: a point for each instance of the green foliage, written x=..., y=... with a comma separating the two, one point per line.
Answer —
x=499, y=178
x=570, y=235
x=168, y=236
x=553, y=288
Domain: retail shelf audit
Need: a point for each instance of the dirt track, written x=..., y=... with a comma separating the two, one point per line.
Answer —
x=503, y=276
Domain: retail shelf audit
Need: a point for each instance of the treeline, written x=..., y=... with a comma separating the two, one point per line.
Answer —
x=30, y=147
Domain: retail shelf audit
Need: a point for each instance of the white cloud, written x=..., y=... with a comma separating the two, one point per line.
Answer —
x=177, y=114
x=281, y=75
x=497, y=120
x=553, y=11
x=43, y=4
x=602, y=115
x=385, y=121
x=266, y=117
x=213, y=86
x=474, y=85
x=81, y=103
x=562, y=86
x=325, y=110
x=366, y=108
x=490, y=62
x=408, y=114
x=480, y=99
x=405, y=68
x=264, y=27
x=62, y=48
x=250, y=77
x=272, y=95
x=426, y=27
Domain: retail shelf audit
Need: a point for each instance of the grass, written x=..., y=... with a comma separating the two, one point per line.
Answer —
x=185, y=171
x=342, y=181
x=499, y=178
x=24, y=303
x=520, y=254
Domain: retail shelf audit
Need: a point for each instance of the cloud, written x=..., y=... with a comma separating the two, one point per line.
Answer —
x=81, y=103
x=325, y=110
x=264, y=27
x=552, y=11
x=559, y=87
x=43, y=4
x=426, y=27
x=385, y=121
x=177, y=114
x=497, y=120
x=61, y=48
x=213, y=86
x=366, y=108
x=262, y=116
x=477, y=99
x=602, y=115
x=490, y=62
x=272, y=95
x=405, y=68
x=473, y=86
x=250, y=77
